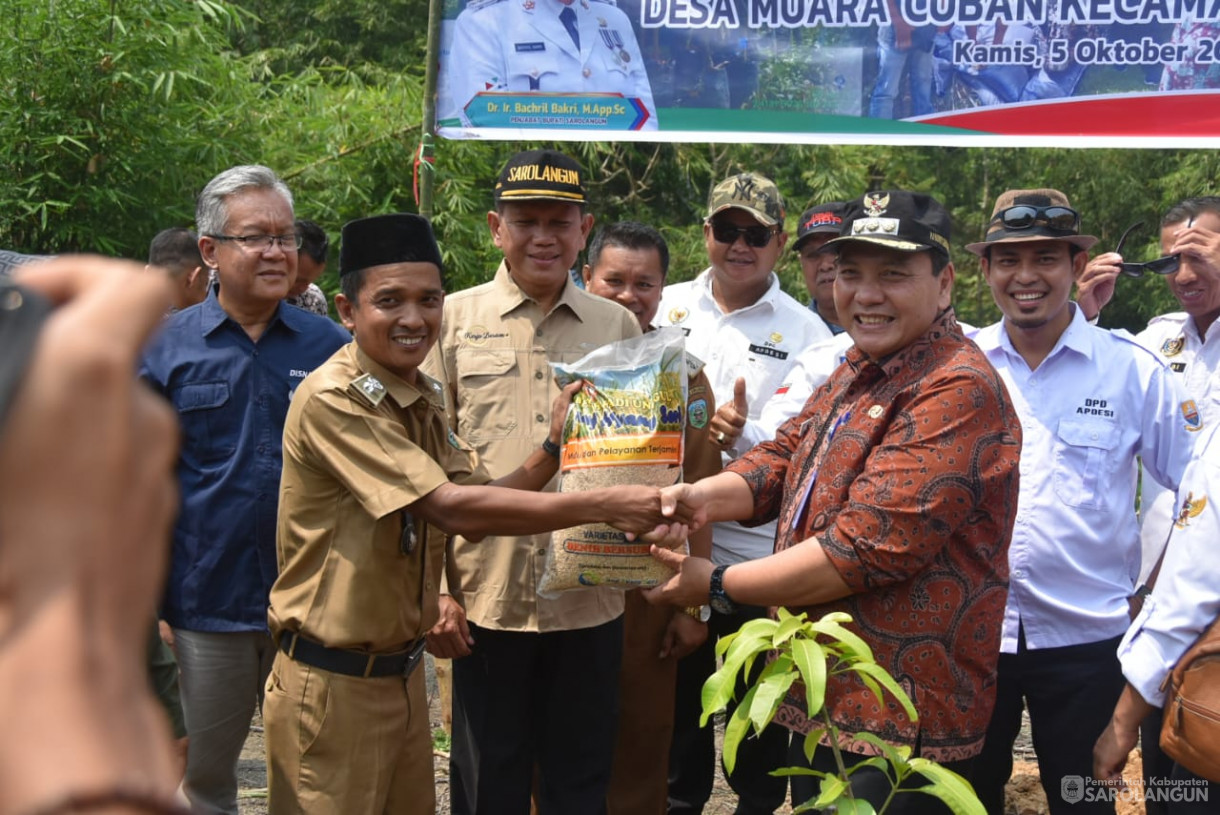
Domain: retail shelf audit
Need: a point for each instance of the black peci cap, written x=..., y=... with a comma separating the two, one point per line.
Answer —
x=381, y=239
x=897, y=219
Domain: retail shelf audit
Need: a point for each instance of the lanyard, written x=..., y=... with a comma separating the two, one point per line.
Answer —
x=813, y=476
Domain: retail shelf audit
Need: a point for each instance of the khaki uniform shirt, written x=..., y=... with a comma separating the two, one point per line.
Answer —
x=493, y=358
x=360, y=446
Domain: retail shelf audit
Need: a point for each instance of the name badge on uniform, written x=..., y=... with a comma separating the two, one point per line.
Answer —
x=529, y=47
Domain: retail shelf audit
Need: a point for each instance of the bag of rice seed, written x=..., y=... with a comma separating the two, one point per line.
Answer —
x=625, y=426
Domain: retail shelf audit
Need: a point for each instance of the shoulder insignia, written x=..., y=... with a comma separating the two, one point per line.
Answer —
x=475, y=5
x=1191, y=508
x=1173, y=347
x=693, y=365
x=606, y=2
x=1190, y=415
x=697, y=413
x=368, y=389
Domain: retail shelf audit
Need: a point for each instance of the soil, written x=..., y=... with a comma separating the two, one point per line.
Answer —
x=1024, y=794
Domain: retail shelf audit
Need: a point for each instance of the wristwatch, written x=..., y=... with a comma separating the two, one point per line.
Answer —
x=700, y=613
x=717, y=597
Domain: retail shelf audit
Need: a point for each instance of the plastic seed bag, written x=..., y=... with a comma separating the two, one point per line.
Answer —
x=625, y=426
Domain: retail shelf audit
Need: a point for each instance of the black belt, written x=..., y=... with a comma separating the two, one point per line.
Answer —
x=351, y=663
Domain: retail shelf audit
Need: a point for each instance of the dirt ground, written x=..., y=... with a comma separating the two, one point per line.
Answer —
x=1025, y=795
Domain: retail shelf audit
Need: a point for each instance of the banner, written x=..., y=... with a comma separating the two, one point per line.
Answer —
x=1052, y=72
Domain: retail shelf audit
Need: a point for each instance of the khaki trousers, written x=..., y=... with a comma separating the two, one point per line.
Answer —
x=346, y=745
x=639, y=779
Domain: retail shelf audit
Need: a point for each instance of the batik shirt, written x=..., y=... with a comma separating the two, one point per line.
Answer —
x=904, y=471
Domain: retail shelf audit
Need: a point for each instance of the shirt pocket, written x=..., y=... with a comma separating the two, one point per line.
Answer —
x=486, y=393
x=1083, y=458
x=209, y=431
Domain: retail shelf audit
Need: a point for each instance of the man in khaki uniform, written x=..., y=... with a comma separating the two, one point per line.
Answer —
x=537, y=678
x=368, y=494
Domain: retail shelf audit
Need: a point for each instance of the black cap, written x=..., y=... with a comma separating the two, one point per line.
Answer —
x=822, y=219
x=541, y=175
x=381, y=239
x=897, y=219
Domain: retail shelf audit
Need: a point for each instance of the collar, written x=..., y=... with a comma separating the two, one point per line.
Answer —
x=402, y=392
x=1078, y=337
x=213, y=316
x=511, y=297
x=703, y=283
x=945, y=325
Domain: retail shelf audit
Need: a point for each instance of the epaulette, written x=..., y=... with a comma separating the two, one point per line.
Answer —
x=1126, y=336
x=693, y=365
x=368, y=389
x=607, y=2
x=428, y=384
x=1175, y=317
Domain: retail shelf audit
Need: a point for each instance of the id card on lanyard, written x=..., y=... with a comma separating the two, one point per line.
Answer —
x=813, y=476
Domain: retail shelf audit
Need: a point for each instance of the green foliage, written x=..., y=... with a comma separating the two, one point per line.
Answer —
x=113, y=115
x=810, y=652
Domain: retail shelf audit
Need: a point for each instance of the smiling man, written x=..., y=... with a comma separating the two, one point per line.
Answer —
x=895, y=491
x=748, y=332
x=229, y=366
x=535, y=679
x=373, y=483
x=1091, y=403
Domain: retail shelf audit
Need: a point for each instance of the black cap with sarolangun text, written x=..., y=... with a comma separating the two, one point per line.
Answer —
x=541, y=175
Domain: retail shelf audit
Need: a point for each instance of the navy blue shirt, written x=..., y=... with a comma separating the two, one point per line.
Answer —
x=231, y=395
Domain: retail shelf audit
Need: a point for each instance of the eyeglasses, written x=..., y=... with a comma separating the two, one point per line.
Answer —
x=1164, y=265
x=756, y=236
x=1023, y=216
x=261, y=243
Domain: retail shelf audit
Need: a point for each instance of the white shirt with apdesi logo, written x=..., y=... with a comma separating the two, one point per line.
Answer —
x=1195, y=363
x=1090, y=408
x=760, y=343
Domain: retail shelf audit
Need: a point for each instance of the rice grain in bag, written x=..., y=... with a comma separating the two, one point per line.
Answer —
x=625, y=426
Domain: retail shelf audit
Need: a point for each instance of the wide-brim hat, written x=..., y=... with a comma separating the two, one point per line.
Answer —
x=1039, y=228
x=820, y=220
x=754, y=193
x=541, y=175
x=896, y=219
x=382, y=239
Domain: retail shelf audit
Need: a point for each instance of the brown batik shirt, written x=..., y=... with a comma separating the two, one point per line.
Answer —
x=911, y=491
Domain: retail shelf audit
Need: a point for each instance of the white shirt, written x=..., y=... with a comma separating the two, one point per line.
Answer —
x=1096, y=402
x=522, y=46
x=759, y=342
x=1187, y=594
x=813, y=366
x=1194, y=363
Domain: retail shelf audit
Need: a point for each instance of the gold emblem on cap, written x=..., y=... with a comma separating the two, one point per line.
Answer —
x=1171, y=348
x=776, y=337
x=875, y=203
x=875, y=412
x=678, y=314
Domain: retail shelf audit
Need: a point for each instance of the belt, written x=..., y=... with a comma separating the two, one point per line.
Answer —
x=351, y=663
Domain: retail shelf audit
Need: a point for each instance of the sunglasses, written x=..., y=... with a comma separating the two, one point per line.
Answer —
x=1023, y=216
x=756, y=236
x=1166, y=265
